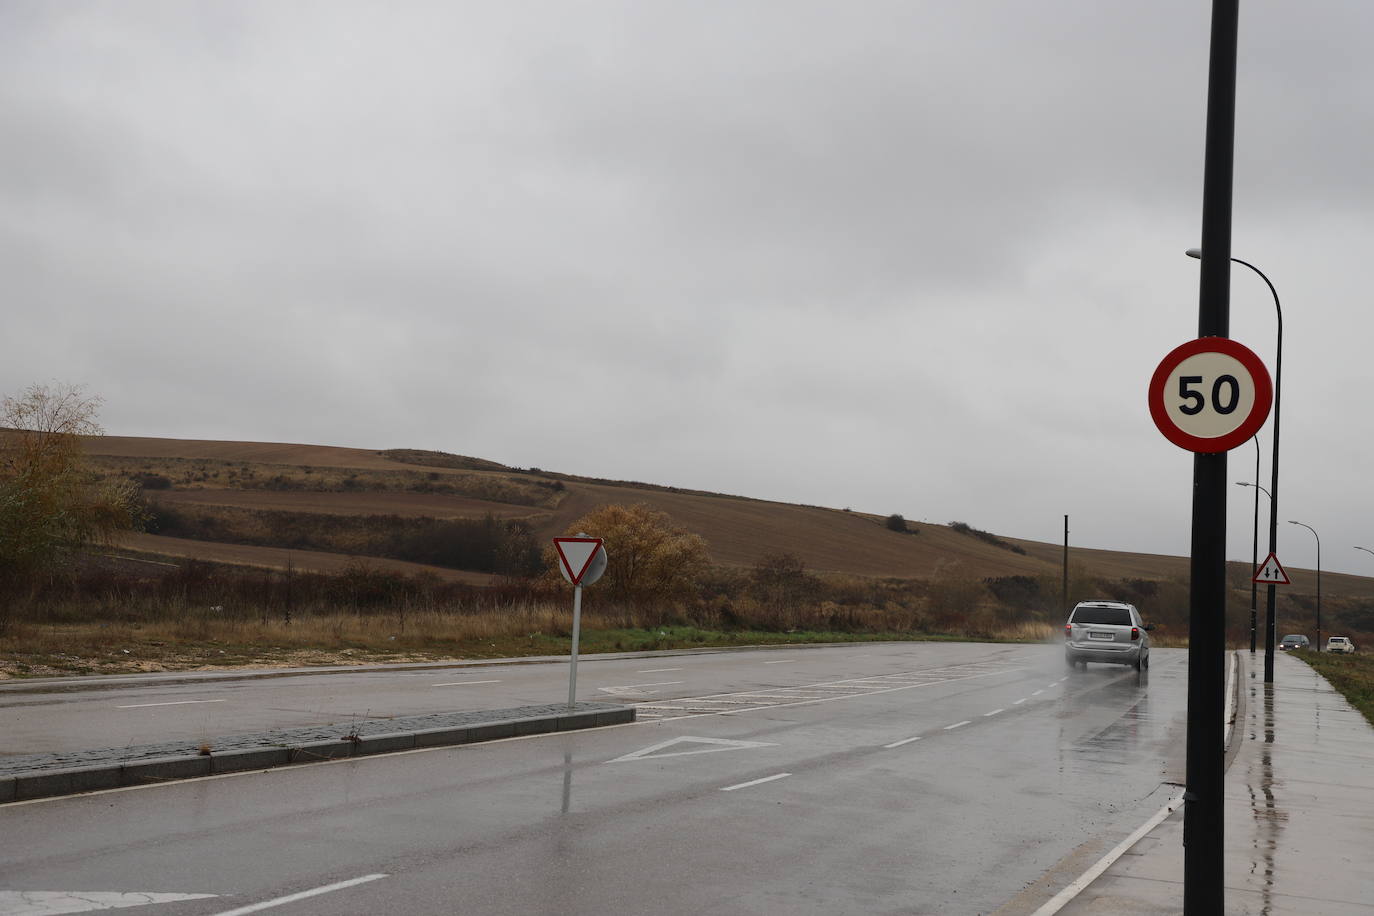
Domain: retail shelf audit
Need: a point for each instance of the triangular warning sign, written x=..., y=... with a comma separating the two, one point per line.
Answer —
x=575, y=556
x=712, y=745
x=1271, y=573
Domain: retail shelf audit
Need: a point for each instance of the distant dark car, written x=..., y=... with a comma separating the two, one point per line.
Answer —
x=1294, y=642
x=1106, y=631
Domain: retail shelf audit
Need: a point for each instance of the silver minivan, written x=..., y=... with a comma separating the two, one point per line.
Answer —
x=1111, y=632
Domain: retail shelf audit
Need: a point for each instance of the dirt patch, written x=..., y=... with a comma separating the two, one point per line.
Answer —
x=407, y=505
x=278, y=558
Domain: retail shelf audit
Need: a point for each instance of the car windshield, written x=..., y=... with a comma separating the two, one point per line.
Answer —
x=1117, y=616
x=1292, y=639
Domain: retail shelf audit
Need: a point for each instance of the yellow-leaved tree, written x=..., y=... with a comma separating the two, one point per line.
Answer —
x=50, y=505
x=649, y=558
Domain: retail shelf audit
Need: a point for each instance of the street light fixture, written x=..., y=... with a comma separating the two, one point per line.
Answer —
x=1273, y=490
x=1366, y=550
x=1319, y=580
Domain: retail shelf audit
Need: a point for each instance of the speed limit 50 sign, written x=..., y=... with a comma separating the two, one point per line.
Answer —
x=1210, y=395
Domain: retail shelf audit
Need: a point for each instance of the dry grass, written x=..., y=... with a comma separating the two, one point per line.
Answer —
x=203, y=642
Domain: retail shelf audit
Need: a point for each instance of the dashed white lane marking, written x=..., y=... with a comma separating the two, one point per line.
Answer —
x=656, y=670
x=655, y=684
x=958, y=724
x=756, y=782
x=1020, y=701
x=463, y=683
x=303, y=895
x=781, y=661
x=1037, y=693
x=172, y=703
x=993, y=713
x=903, y=741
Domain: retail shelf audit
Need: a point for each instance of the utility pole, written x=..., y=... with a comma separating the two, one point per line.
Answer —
x=1065, y=591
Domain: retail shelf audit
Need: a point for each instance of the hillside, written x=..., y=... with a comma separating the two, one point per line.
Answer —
x=275, y=483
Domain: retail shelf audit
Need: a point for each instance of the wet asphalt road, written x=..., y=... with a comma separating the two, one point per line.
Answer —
x=906, y=778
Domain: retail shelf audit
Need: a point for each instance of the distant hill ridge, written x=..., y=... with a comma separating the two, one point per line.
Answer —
x=334, y=481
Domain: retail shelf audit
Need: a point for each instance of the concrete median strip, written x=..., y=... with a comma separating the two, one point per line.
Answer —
x=47, y=775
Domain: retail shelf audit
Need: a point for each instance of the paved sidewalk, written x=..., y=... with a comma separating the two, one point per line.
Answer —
x=1299, y=812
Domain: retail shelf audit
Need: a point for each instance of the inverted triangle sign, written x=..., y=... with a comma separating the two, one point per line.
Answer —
x=1271, y=573
x=576, y=556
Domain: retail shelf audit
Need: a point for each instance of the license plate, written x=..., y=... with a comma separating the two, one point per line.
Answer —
x=1106, y=636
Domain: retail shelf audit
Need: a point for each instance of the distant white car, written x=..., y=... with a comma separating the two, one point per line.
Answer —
x=1340, y=644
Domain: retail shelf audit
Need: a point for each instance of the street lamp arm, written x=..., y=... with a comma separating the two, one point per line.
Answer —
x=1246, y=483
x=1366, y=550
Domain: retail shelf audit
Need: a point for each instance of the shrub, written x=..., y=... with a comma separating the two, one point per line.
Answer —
x=895, y=522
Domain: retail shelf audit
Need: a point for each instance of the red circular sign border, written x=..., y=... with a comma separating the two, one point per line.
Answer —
x=1264, y=395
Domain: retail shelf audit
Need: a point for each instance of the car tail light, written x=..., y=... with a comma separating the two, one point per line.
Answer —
x=1068, y=630
x=1135, y=632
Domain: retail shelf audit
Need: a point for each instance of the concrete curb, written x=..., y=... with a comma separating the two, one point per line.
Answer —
x=117, y=775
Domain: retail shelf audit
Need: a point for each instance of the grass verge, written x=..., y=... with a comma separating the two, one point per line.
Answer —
x=79, y=648
x=1351, y=675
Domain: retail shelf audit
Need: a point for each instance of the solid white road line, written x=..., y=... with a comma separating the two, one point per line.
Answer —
x=958, y=724
x=656, y=670
x=173, y=703
x=903, y=741
x=756, y=782
x=1056, y=903
x=463, y=683
x=1059, y=900
x=303, y=895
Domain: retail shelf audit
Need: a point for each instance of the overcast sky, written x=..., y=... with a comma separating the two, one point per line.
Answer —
x=915, y=257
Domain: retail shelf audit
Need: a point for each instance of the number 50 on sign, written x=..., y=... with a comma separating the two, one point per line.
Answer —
x=1210, y=395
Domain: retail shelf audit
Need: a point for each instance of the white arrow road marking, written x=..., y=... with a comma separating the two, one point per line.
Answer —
x=46, y=903
x=713, y=745
x=636, y=688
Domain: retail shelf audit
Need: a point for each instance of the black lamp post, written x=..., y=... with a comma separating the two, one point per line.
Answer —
x=1254, y=546
x=1319, y=580
x=1273, y=491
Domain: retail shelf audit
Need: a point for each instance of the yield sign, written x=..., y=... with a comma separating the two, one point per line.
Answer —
x=712, y=745
x=575, y=555
x=1271, y=573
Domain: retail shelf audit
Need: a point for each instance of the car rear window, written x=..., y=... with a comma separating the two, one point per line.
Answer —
x=1116, y=616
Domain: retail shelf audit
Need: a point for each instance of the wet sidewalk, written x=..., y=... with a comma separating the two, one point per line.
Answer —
x=1299, y=812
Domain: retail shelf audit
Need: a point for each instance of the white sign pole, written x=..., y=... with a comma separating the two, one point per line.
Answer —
x=577, y=629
